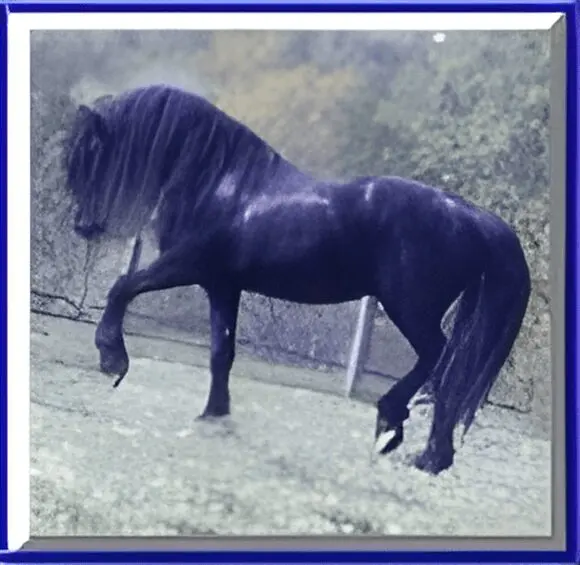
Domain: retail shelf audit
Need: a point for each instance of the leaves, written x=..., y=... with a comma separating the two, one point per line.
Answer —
x=281, y=103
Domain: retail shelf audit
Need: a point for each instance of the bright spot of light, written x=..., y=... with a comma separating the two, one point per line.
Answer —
x=439, y=37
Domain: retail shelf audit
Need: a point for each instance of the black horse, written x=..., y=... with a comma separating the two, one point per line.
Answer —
x=231, y=215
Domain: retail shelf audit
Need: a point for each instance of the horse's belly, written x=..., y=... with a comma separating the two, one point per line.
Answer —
x=310, y=279
x=305, y=291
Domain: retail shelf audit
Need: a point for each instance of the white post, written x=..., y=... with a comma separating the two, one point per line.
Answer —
x=361, y=341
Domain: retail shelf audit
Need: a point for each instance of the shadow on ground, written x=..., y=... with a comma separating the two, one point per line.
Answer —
x=132, y=460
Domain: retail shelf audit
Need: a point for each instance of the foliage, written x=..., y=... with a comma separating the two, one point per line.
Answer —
x=250, y=83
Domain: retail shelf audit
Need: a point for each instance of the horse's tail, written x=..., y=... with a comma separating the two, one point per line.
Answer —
x=489, y=315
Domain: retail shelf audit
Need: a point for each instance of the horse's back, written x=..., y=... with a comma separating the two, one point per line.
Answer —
x=332, y=242
x=300, y=245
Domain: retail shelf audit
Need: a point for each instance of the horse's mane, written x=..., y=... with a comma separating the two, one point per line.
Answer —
x=158, y=146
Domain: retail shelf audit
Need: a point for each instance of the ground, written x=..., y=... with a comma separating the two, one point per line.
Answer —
x=132, y=460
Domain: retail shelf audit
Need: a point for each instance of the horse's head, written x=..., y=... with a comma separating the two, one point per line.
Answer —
x=85, y=156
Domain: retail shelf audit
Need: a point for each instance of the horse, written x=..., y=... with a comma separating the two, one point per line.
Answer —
x=231, y=215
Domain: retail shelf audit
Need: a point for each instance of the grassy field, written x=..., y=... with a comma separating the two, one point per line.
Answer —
x=132, y=460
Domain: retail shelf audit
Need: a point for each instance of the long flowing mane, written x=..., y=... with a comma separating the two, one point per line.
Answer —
x=132, y=154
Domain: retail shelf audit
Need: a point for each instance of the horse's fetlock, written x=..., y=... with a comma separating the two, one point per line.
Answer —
x=392, y=409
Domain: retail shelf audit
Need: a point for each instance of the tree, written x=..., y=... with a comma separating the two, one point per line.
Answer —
x=297, y=109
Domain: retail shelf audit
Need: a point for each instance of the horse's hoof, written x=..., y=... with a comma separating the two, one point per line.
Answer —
x=434, y=462
x=114, y=361
x=213, y=414
x=111, y=366
x=388, y=440
x=389, y=426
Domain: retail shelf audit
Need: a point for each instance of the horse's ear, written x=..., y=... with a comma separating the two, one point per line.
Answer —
x=94, y=120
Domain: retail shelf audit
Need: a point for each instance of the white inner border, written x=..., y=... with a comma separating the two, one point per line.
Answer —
x=19, y=27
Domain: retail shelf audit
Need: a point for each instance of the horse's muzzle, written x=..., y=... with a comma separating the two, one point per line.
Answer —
x=88, y=230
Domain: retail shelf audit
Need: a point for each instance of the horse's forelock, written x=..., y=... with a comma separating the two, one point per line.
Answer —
x=87, y=128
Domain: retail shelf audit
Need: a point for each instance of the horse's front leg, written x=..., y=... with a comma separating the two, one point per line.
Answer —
x=168, y=271
x=114, y=359
x=224, y=305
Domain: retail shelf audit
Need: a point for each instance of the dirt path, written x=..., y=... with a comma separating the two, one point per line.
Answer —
x=132, y=461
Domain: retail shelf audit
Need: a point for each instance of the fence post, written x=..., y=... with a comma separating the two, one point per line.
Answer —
x=361, y=341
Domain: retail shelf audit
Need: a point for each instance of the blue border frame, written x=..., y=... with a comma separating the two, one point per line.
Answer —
x=3, y=288
x=572, y=553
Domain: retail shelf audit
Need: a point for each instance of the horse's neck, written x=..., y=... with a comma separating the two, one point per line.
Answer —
x=289, y=175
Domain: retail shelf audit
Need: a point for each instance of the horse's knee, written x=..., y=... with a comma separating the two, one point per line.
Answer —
x=119, y=288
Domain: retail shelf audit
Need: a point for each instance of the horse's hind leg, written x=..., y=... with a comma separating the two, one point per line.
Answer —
x=425, y=336
x=224, y=306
